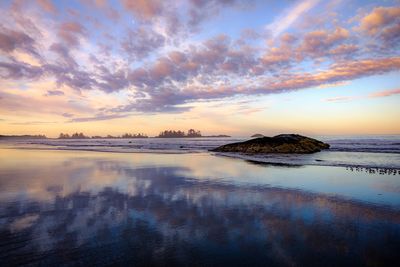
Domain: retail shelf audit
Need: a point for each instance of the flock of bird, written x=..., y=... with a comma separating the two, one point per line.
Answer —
x=371, y=170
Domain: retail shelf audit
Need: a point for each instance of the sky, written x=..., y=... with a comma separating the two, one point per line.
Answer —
x=220, y=66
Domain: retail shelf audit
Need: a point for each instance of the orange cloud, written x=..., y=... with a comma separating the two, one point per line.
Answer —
x=343, y=71
x=379, y=18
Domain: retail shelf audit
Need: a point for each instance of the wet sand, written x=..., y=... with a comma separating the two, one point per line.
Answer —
x=79, y=208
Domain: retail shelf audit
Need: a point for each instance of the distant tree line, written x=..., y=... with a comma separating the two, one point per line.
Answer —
x=82, y=136
x=179, y=134
x=164, y=134
x=38, y=136
x=139, y=135
x=73, y=136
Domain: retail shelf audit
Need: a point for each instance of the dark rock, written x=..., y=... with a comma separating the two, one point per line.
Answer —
x=283, y=143
x=257, y=135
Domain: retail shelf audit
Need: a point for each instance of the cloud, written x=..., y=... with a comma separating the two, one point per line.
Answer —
x=144, y=9
x=67, y=115
x=290, y=16
x=177, y=16
x=339, y=99
x=391, y=35
x=318, y=42
x=160, y=72
x=32, y=122
x=316, y=45
x=383, y=23
x=248, y=110
x=343, y=71
x=379, y=18
x=16, y=104
x=74, y=78
x=47, y=5
x=278, y=57
x=19, y=71
x=11, y=40
x=344, y=49
x=71, y=32
x=99, y=117
x=201, y=10
x=63, y=52
x=165, y=98
x=385, y=93
x=66, y=75
x=141, y=41
x=54, y=93
x=214, y=69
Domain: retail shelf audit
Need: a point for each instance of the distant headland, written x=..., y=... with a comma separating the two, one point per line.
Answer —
x=83, y=136
x=257, y=135
x=26, y=136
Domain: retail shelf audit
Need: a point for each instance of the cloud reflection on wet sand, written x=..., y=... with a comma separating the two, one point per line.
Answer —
x=104, y=210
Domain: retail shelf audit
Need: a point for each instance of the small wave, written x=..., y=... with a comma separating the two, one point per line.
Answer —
x=365, y=149
x=391, y=166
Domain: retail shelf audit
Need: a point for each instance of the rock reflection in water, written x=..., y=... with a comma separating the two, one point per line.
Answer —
x=107, y=212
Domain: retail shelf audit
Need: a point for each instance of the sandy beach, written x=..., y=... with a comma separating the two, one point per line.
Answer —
x=84, y=207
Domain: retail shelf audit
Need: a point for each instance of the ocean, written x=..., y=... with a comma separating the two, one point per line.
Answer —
x=373, y=151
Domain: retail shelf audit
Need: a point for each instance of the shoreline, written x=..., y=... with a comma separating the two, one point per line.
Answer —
x=251, y=158
x=367, y=168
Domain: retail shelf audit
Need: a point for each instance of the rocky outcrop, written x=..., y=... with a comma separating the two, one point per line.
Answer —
x=257, y=135
x=283, y=143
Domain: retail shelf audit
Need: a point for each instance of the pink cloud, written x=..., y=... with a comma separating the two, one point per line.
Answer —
x=339, y=99
x=278, y=56
x=70, y=32
x=248, y=111
x=177, y=57
x=318, y=42
x=316, y=45
x=378, y=94
x=385, y=93
x=161, y=69
x=344, y=49
x=144, y=9
x=47, y=5
x=288, y=38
